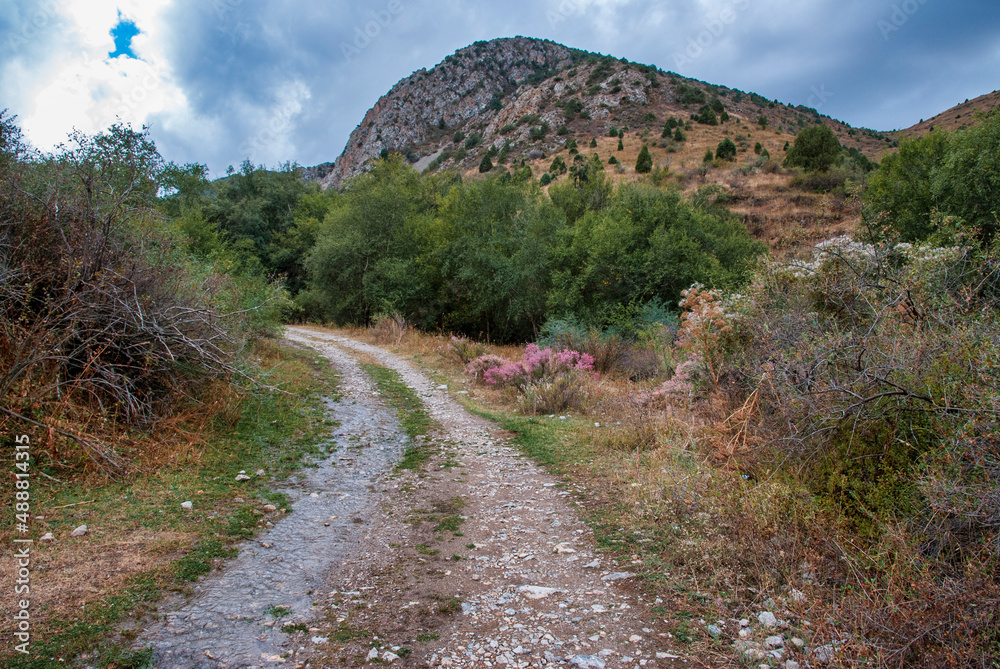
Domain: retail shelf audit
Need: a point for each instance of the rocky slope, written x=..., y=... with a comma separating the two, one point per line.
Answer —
x=534, y=96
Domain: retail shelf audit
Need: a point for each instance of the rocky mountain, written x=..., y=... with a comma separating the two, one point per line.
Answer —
x=536, y=97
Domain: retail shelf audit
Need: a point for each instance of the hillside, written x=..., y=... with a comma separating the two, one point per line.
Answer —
x=520, y=99
x=959, y=116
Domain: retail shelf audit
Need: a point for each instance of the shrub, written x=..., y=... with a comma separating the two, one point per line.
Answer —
x=709, y=156
x=644, y=163
x=816, y=148
x=465, y=349
x=545, y=180
x=726, y=150
x=473, y=140
x=680, y=135
x=593, y=143
x=558, y=166
x=458, y=137
x=485, y=165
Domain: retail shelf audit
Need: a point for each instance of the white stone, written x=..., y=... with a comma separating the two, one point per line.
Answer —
x=774, y=642
x=389, y=657
x=767, y=619
x=798, y=643
x=79, y=532
x=592, y=565
x=635, y=638
x=563, y=548
x=242, y=477
x=587, y=662
x=616, y=576
x=187, y=506
x=261, y=472
x=47, y=537
x=270, y=507
x=373, y=654
x=791, y=664
x=797, y=596
x=536, y=591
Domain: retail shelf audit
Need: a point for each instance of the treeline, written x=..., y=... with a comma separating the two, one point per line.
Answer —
x=495, y=257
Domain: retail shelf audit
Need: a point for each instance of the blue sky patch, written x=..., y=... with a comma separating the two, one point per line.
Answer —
x=123, y=34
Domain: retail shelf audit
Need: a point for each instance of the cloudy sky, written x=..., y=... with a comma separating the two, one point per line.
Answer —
x=288, y=80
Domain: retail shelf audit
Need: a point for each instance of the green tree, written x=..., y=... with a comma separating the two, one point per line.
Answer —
x=709, y=156
x=936, y=176
x=593, y=143
x=644, y=163
x=816, y=148
x=726, y=150
x=485, y=165
x=621, y=145
x=679, y=135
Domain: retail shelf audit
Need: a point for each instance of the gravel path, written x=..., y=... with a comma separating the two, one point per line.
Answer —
x=229, y=622
x=533, y=592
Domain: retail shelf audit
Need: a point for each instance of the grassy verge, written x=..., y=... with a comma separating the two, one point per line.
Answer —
x=140, y=534
x=413, y=416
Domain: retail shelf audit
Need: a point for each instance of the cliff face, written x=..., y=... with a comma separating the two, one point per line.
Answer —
x=465, y=91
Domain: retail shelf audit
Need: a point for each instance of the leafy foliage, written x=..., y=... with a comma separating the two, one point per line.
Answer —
x=815, y=148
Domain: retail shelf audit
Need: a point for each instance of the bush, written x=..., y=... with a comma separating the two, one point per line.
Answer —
x=726, y=150
x=816, y=148
x=644, y=163
x=545, y=180
x=458, y=137
x=485, y=165
x=709, y=156
x=558, y=166
x=106, y=317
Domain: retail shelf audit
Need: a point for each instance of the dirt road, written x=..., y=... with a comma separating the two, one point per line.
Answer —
x=476, y=559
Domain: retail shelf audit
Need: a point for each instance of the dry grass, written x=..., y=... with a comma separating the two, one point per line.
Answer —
x=682, y=494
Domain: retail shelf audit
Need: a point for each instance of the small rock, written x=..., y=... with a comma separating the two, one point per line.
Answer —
x=314, y=495
x=587, y=662
x=597, y=608
x=536, y=591
x=714, y=631
x=745, y=632
x=442, y=387
x=79, y=532
x=261, y=472
x=791, y=664
x=635, y=638
x=320, y=639
x=389, y=657
x=596, y=564
x=242, y=477
x=767, y=619
x=825, y=654
x=798, y=643
x=744, y=622
x=616, y=576
x=797, y=596
x=563, y=548
x=270, y=507
x=372, y=654
x=774, y=642
x=47, y=537
x=187, y=506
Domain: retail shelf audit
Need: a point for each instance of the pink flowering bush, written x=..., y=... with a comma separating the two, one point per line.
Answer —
x=478, y=367
x=538, y=365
